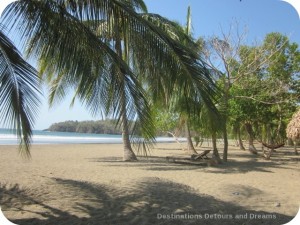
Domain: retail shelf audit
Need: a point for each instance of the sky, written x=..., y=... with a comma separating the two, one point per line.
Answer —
x=209, y=17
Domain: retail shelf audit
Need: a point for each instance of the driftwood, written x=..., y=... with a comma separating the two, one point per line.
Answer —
x=176, y=140
x=194, y=157
x=202, y=155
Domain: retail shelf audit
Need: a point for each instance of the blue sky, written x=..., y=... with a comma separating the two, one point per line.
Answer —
x=208, y=16
x=260, y=16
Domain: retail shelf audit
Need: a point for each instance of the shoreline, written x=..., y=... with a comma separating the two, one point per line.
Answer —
x=88, y=183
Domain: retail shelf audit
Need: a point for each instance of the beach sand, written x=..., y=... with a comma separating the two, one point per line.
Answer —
x=89, y=184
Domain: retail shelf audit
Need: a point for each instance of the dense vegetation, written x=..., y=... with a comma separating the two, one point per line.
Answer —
x=260, y=92
x=91, y=127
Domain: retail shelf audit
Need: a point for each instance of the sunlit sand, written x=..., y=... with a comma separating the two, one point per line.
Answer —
x=89, y=184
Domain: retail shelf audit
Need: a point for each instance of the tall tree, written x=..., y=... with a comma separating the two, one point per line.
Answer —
x=254, y=101
x=182, y=105
x=107, y=73
x=236, y=63
x=185, y=117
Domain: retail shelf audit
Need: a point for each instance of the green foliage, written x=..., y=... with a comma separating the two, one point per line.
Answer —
x=92, y=127
x=165, y=121
x=266, y=97
x=19, y=93
x=108, y=52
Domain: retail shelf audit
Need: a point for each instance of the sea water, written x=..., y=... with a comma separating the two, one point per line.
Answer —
x=8, y=137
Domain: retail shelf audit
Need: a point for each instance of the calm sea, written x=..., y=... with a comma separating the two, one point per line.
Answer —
x=46, y=137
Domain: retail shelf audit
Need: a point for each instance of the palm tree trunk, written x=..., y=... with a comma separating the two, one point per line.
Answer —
x=128, y=152
x=249, y=130
x=215, y=154
x=190, y=146
x=225, y=134
x=225, y=137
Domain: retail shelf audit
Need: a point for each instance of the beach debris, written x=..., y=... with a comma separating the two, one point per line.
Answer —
x=155, y=205
x=236, y=193
x=179, y=211
x=277, y=204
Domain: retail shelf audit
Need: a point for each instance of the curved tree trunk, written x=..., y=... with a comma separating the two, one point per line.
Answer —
x=241, y=145
x=268, y=154
x=249, y=130
x=190, y=146
x=128, y=152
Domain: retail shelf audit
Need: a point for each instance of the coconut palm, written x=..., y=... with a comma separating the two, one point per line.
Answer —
x=107, y=73
x=184, y=116
x=181, y=104
x=19, y=93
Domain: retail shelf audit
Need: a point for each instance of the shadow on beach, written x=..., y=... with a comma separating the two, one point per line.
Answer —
x=249, y=162
x=148, y=201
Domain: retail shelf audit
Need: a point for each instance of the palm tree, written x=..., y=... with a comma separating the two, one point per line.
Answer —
x=211, y=115
x=188, y=31
x=19, y=93
x=107, y=73
x=184, y=116
x=183, y=105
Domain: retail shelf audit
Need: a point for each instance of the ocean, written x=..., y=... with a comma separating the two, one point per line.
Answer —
x=47, y=137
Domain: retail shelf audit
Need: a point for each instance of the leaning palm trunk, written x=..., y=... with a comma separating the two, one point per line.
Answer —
x=249, y=130
x=190, y=146
x=128, y=152
x=240, y=141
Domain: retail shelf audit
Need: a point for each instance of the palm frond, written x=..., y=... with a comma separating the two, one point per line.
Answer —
x=54, y=32
x=19, y=93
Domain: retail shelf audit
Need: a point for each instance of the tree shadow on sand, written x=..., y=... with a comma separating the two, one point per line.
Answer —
x=156, y=163
x=145, y=202
x=159, y=163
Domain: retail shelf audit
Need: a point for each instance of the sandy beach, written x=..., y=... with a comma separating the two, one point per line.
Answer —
x=89, y=184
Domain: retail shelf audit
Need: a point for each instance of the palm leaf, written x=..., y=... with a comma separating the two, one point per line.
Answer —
x=54, y=31
x=19, y=93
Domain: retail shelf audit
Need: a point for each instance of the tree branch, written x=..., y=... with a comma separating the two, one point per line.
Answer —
x=263, y=102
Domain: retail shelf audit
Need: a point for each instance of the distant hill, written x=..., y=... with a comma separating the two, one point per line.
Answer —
x=91, y=127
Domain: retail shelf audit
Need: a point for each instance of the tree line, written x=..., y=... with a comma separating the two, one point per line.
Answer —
x=91, y=127
x=260, y=92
